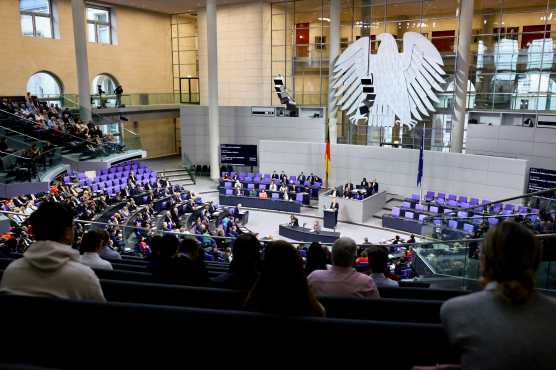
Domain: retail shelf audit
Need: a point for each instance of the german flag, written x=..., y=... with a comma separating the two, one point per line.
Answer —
x=327, y=162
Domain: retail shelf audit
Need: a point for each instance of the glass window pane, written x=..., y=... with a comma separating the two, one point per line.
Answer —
x=35, y=6
x=43, y=27
x=99, y=15
x=27, y=25
x=103, y=34
x=43, y=85
x=91, y=33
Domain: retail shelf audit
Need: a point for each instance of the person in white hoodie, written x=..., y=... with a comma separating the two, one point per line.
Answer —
x=91, y=244
x=50, y=267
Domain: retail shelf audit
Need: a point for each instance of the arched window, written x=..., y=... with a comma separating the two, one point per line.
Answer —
x=108, y=84
x=44, y=85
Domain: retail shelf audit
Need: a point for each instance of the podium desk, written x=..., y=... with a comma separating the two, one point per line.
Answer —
x=330, y=218
x=303, y=234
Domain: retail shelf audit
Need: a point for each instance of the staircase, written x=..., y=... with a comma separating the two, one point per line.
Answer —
x=179, y=176
x=392, y=200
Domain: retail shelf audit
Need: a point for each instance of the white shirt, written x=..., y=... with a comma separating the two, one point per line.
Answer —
x=94, y=261
x=383, y=281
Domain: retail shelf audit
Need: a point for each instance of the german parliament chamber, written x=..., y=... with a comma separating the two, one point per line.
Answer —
x=264, y=183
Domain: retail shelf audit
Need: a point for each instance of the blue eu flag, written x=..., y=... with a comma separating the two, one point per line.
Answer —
x=420, y=169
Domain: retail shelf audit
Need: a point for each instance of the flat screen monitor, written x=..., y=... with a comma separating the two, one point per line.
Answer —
x=238, y=155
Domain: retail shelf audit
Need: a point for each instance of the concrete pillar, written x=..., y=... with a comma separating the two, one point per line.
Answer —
x=81, y=61
x=333, y=52
x=214, y=125
x=461, y=75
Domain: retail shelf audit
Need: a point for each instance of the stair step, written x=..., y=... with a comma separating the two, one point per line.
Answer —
x=174, y=170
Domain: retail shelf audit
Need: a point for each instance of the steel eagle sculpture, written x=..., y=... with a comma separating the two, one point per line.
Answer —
x=389, y=85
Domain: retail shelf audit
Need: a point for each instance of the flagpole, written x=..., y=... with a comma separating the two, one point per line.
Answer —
x=423, y=146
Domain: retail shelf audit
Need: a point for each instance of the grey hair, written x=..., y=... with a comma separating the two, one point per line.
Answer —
x=344, y=252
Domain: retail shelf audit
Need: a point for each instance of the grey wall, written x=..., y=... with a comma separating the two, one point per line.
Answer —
x=237, y=126
x=536, y=144
x=396, y=169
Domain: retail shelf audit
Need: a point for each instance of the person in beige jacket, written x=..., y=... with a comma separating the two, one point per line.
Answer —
x=50, y=267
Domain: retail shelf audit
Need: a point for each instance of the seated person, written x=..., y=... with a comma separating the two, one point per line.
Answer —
x=91, y=244
x=316, y=227
x=364, y=183
x=272, y=186
x=342, y=280
x=263, y=194
x=483, y=325
x=378, y=260
x=237, y=185
x=283, y=188
x=285, y=195
x=294, y=221
x=50, y=267
x=253, y=192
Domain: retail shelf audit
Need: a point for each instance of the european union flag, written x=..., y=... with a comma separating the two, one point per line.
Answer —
x=420, y=169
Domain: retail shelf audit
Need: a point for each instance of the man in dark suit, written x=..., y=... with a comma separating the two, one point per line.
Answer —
x=375, y=187
x=294, y=222
x=275, y=175
x=301, y=178
x=283, y=178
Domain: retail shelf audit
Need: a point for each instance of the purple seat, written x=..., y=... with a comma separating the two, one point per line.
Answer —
x=409, y=215
x=317, y=184
x=441, y=196
x=145, y=181
x=95, y=188
x=406, y=205
x=293, y=179
x=492, y=221
x=522, y=210
x=462, y=214
x=262, y=187
x=433, y=209
x=248, y=179
x=452, y=203
x=474, y=201
x=119, y=169
x=430, y=196
x=462, y=199
x=250, y=186
x=243, y=174
x=507, y=212
x=67, y=180
x=415, y=197
x=485, y=201
x=509, y=207
x=101, y=185
x=437, y=222
x=117, y=188
x=422, y=218
x=111, y=170
x=453, y=224
x=464, y=205
x=275, y=195
x=257, y=179
x=229, y=191
x=152, y=180
x=419, y=207
x=468, y=228
x=228, y=185
x=440, y=201
x=299, y=197
x=395, y=211
x=139, y=178
x=535, y=210
x=452, y=197
x=533, y=218
x=447, y=211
